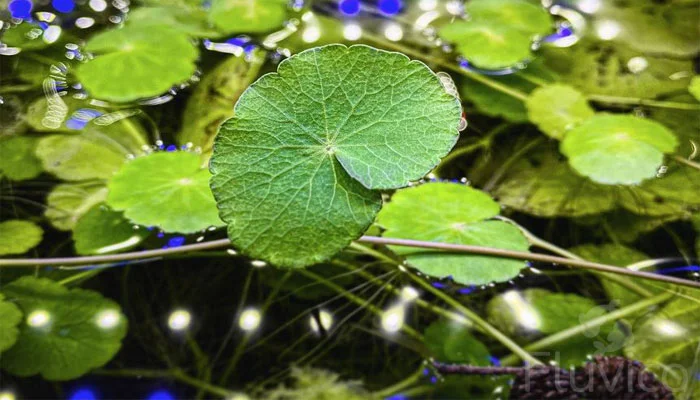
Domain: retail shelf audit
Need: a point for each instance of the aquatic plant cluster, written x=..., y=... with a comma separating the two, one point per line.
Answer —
x=346, y=199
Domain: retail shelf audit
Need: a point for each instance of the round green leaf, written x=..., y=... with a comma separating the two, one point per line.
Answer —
x=18, y=236
x=449, y=342
x=488, y=45
x=452, y=213
x=518, y=14
x=169, y=190
x=68, y=202
x=191, y=21
x=66, y=333
x=618, y=149
x=136, y=62
x=293, y=169
x=541, y=183
x=557, y=108
x=17, y=159
x=694, y=87
x=10, y=316
x=258, y=16
x=103, y=231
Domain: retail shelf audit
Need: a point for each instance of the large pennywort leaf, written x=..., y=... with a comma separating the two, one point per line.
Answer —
x=293, y=170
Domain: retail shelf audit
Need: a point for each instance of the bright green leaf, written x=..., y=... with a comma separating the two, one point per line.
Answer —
x=68, y=202
x=450, y=342
x=17, y=159
x=192, y=21
x=518, y=14
x=10, y=316
x=557, y=108
x=18, y=236
x=169, y=190
x=294, y=167
x=452, y=213
x=136, y=62
x=541, y=183
x=66, y=333
x=235, y=16
x=104, y=231
x=618, y=149
x=487, y=45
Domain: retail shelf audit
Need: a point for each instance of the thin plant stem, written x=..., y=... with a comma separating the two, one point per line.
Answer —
x=536, y=241
x=454, y=248
x=80, y=276
x=419, y=302
x=357, y=300
x=469, y=314
x=240, y=349
x=509, y=162
x=520, y=255
x=636, y=101
x=685, y=161
x=566, y=334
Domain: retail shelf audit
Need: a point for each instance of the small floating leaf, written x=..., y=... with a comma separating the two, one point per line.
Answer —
x=103, y=231
x=10, y=316
x=18, y=236
x=618, y=149
x=136, y=62
x=169, y=190
x=68, y=202
x=17, y=159
x=294, y=167
x=452, y=213
x=450, y=342
x=499, y=33
x=557, y=108
x=487, y=45
x=66, y=333
x=248, y=16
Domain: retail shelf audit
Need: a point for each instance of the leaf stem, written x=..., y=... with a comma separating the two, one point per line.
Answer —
x=521, y=255
x=683, y=160
x=357, y=300
x=636, y=101
x=489, y=251
x=566, y=334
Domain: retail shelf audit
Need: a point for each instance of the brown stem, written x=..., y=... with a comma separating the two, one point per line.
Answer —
x=464, y=369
